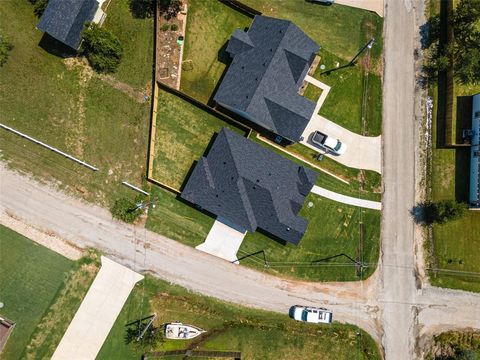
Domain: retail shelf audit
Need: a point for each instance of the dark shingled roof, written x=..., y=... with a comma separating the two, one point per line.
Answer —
x=251, y=186
x=64, y=20
x=269, y=64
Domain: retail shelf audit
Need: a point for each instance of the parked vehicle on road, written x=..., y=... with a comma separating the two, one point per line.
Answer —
x=311, y=314
x=328, y=143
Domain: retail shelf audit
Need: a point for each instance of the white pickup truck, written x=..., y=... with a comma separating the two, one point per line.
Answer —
x=328, y=143
x=311, y=314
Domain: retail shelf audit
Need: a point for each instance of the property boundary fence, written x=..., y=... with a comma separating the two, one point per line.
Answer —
x=195, y=353
x=242, y=8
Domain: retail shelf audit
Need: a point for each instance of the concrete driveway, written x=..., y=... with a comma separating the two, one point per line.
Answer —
x=223, y=240
x=363, y=152
x=371, y=5
x=97, y=313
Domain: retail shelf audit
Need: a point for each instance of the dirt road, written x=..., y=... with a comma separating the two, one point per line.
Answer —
x=396, y=309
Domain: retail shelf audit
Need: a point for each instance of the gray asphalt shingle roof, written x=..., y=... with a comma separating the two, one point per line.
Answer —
x=269, y=64
x=251, y=186
x=64, y=20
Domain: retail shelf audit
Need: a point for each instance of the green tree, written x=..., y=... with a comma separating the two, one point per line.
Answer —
x=126, y=210
x=463, y=52
x=5, y=48
x=102, y=49
x=443, y=211
x=39, y=7
x=142, y=9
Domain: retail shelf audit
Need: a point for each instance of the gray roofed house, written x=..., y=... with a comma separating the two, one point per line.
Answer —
x=269, y=64
x=64, y=19
x=251, y=186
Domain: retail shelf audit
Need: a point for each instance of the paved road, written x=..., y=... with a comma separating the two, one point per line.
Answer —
x=368, y=204
x=398, y=291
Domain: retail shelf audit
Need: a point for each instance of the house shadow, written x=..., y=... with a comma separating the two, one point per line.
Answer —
x=441, y=110
x=463, y=117
x=224, y=58
x=56, y=48
x=462, y=174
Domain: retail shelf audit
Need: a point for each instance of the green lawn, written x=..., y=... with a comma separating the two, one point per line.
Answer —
x=182, y=135
x=68, y=107
x=340, y=29
x=257, y=334
x=333, y=229
x=136, y=36
x=30, y=278
x=209, y=25
x=178, y=220
x=456, y=243
x=343, y=105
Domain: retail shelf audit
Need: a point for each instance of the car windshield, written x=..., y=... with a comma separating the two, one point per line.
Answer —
x=339, y=145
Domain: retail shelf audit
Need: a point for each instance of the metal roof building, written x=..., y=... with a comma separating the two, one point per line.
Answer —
x=269, y=64
x=64, y=19
x=251, y=187
x=475, y=153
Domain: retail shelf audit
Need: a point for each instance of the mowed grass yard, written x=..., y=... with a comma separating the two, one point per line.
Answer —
x=64, y=104
x=41, y=291
x=256, y=334
x=30, y=277
x=136, y=36
x=343, y=105
x=183, y=132
x=333, y=229
x=456, y=243
x=209, y=25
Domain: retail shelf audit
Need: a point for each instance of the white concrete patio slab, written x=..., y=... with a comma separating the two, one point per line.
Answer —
x=371, y=5
x=363, y=152
x=223, y=240
x=368, y=204
x=96, y=315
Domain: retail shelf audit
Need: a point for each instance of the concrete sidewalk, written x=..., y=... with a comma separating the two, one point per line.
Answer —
x=367, y=204
x=96, y=315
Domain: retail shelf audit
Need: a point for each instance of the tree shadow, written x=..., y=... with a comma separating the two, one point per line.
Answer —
x=56, y=48
x=142, y=9
x=422, y=213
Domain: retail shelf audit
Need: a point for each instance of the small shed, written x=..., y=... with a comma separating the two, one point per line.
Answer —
x=64, y=19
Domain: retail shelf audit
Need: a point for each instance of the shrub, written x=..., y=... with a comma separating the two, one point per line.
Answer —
x=174, y=27
x=170, y=8
x=102, y=49
x=39, y=7
x=5, y=48
x=125, y=209
x=443, y=211
x=165, y=27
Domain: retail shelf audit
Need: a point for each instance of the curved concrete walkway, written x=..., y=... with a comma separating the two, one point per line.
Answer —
x=368, y=204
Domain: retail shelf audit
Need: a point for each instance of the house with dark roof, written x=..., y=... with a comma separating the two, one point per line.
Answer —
x=64, y=19
x=475, y=153
x=269, y=64
x=250, y=186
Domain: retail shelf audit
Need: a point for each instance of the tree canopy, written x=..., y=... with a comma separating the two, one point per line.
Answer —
x=102, y=49
x=463, y=52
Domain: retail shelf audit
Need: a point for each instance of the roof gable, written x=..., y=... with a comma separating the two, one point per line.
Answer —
x=253, y=187
x=271, y=65
x=64, y=19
